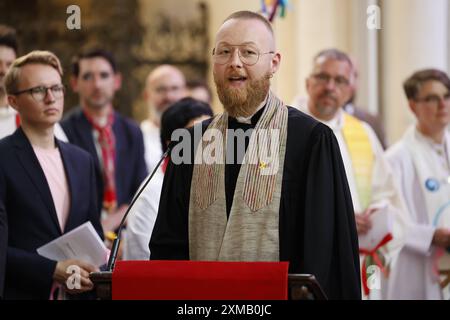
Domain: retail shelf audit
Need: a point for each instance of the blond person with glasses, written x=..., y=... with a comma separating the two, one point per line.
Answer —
x=421, y=161
x=39, y=93
x=47, y=187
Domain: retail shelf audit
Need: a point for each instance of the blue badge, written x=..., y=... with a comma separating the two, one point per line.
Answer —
x=432, y=184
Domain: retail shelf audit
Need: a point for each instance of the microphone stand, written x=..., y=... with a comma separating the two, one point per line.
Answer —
x=116, y=242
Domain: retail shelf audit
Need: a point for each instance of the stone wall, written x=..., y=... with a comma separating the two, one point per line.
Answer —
x=140, y=38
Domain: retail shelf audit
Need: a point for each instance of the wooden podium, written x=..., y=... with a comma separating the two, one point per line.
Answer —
x=300, y=286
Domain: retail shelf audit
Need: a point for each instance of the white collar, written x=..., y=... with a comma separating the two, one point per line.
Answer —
x=248, y=120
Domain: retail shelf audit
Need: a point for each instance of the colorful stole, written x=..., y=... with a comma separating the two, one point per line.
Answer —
x=362, y=156
x=251, y=233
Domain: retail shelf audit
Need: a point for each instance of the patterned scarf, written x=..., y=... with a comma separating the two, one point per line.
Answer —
x=251, y=232
x=107, y=142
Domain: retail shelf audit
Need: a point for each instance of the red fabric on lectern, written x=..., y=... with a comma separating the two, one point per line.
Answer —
x=199, y=280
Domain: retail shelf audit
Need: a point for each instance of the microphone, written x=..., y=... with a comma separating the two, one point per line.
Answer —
x=116, y=242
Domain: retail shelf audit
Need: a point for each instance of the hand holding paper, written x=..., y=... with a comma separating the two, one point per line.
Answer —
x=382, y=225
x=82, y=243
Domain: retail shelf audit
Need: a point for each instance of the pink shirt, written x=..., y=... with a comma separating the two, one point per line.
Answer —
x=53, y=167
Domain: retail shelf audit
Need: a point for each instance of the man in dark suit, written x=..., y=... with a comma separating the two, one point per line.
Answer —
x=115, y=142
x=47, y=187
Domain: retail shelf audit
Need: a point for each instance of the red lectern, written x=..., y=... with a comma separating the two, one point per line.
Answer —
x=200, y=280
x=203, y=280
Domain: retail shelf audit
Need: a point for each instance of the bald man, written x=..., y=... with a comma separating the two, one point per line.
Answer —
x=164, y=85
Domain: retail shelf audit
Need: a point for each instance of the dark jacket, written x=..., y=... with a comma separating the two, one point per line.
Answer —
x=26, y=199
x=130, y=168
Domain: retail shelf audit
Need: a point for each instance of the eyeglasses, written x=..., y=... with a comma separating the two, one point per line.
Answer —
x=167, y=89
x=433, y=100
x=40, y=92
x=324, y=78
x=248, y=54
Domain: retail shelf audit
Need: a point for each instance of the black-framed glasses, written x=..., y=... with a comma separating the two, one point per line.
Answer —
x=324, y=78
x=40, y=92
x=248, y=54
x=434, y=99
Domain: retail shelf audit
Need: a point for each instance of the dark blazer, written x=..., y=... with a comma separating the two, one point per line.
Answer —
x=3, y=245
x=26, y=199
x=130, y=169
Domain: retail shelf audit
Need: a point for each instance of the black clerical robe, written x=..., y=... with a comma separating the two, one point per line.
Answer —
x=317, y=229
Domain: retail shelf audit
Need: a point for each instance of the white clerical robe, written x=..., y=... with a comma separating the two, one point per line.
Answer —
x=385, y=192
x=416, y=159
x=141, y=220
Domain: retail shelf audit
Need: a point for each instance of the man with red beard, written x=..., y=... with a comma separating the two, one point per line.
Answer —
x=292, y=206
x=47, y=187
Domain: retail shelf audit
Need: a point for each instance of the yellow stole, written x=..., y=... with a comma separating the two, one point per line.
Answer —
x=362, y=157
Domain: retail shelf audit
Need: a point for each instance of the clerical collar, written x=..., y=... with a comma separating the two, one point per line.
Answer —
x=248, y=120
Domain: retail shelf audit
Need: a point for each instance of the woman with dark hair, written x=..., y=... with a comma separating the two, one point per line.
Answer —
x=182, y=114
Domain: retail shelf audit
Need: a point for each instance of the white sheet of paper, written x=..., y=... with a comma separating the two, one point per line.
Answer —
x=382, y=225
x=82, y=243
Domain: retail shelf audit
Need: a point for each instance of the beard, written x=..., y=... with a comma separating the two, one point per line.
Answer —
x=242, y=102
x=98, y=102
x=326, y=111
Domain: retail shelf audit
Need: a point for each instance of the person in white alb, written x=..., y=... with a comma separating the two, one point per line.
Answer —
x=421, y=161
x=369, y=177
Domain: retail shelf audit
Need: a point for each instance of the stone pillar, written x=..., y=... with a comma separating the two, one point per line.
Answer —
x=365, y=52
x=320, y=24
x=414, y=36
